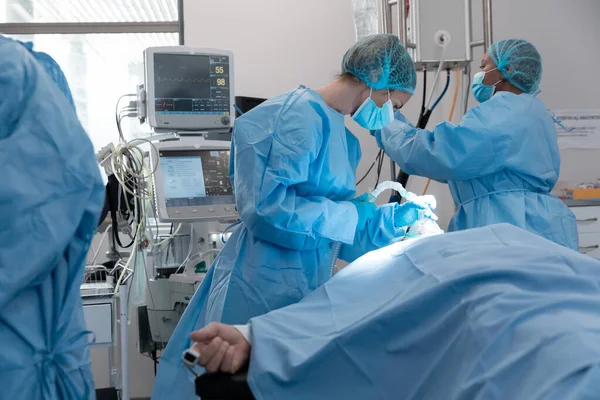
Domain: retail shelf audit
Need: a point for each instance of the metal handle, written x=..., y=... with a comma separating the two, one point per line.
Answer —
x=386, y=18
x=587, y=220
x=469, y=30
x=488, y=29
x=594, y=247
x=415, y=18
x=488, y=36
x=402, y=29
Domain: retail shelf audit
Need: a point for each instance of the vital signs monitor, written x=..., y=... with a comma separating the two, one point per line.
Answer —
x=189, y=89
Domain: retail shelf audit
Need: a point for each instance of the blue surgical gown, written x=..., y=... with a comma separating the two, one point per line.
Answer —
x=294, y=168
x=50, y=199
x=501, y=163
x=493, y=313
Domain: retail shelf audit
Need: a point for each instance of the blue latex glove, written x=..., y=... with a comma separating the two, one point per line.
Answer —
x=365, y=210
x=407, y=214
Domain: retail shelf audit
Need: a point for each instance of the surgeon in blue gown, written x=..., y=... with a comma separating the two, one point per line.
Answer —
x=493, y=313
x=294, y=171
x=50, y=198
x=502, y=161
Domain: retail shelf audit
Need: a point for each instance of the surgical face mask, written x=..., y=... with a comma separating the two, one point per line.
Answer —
x=483, y=92
x=371, y=117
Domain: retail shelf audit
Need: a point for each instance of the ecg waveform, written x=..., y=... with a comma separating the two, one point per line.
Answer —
x=160, y=80
x=164, y=105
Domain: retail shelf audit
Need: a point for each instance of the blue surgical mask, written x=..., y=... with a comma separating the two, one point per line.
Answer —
x=481, y=92
x=371, y=117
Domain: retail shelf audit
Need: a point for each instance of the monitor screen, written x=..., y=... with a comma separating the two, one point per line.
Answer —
x=196, y=177
x=191, y=84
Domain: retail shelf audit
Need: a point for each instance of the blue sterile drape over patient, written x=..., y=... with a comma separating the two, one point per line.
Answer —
x=493, y=313
x=50, y=199
x=294, y=174
x=501, y=163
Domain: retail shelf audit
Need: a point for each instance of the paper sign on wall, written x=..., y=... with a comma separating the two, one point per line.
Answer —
x=586, y=129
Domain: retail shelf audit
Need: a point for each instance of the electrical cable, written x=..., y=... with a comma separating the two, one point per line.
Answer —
x=155, y=359
x=97, y=252
x=443, y=91
x=238, y=109
x=127, y=163
x=116, y=211
x=132, y=174
x=135, y=179
x=117, y=114
x=455, y=98
x=189, y=253
x=379, y=166
x=126, y=268
x=375, y=162
x=367, y=173
x=423, y=103
x=435, y=79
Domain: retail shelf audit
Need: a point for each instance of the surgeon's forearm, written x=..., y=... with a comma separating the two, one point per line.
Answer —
x=300, y=223
x=397, y=142
x=448, y=152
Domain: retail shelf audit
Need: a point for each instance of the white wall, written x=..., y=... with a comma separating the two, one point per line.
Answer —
x=277, y=44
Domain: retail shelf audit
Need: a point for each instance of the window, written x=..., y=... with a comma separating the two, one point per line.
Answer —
x=99, y=45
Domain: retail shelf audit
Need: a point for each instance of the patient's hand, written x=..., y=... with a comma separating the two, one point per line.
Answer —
x=222, y=348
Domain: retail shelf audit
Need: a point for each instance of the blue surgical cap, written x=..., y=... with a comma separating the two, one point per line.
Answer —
x=382, y=63
x=519, y=63
x=53, y=69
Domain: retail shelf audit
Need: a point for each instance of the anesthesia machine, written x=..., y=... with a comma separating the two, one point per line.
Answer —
x=169, y=196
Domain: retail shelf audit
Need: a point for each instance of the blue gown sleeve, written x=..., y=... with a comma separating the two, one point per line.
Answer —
x=449, y=152
x=267, y=169
x=388, y=226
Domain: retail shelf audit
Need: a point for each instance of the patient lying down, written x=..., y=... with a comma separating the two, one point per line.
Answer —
x=490, y=313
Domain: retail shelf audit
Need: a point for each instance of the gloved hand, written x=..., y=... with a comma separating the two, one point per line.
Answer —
x=426, y=202
x=365, y=210
x=408, y=213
